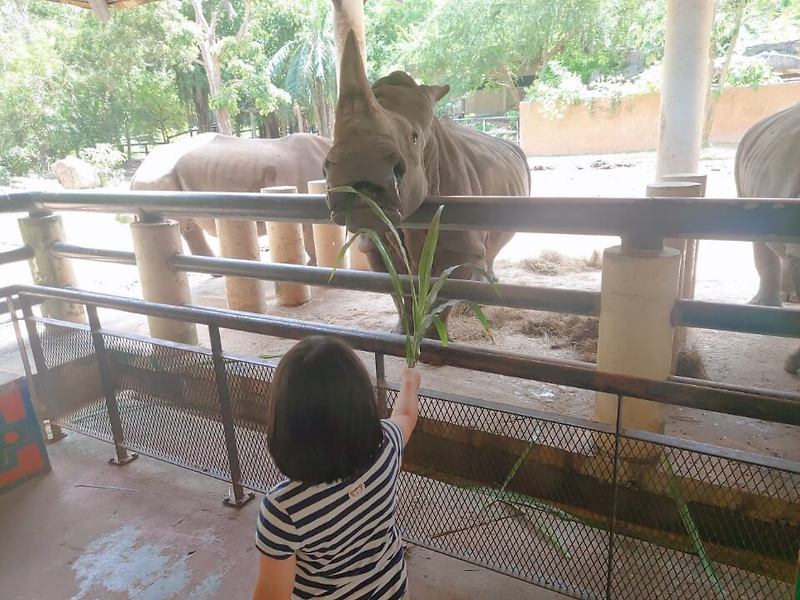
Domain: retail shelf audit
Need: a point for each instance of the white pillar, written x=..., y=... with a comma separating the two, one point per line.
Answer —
x=40, y=232
x=239, y=239
x=638, y=292
x=153, y=245
x=684, y=84
x=328, y=238
x=286, y=246
x=347, y=15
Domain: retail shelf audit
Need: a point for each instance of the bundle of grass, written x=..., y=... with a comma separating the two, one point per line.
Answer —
x=550, y=262
x=417, y=300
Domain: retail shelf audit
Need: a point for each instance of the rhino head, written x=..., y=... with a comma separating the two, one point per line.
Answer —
x=381, y=143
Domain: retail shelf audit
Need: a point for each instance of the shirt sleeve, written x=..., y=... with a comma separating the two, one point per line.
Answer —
x=276, y=534
x=394, y=434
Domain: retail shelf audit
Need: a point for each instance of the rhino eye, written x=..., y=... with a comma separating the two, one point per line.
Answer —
x=414, y=138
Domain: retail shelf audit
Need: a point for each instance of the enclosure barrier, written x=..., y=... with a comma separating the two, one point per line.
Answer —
x=644, y=506
x=571, y=505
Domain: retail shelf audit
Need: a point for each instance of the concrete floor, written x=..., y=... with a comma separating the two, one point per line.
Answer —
x=152, y=531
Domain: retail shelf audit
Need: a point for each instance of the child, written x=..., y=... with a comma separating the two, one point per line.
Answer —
x=329, y=530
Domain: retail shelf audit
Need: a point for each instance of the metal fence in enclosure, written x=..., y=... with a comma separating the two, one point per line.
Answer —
x=586, y=509
x=502, y=126
x=589, y=510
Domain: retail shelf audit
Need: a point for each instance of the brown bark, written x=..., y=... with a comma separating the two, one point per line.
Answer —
x=711, y=97
x=210, y=48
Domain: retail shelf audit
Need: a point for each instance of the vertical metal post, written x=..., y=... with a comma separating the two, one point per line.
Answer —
x=380, y=380
x=237, y=497
x=26, y=365
x=612, y=526
x=56, y=433
x=109, y=391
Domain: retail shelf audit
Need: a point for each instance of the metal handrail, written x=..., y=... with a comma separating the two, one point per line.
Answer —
x=695, y=218
x=16, y=255
x=777, y=409
x=764, y=320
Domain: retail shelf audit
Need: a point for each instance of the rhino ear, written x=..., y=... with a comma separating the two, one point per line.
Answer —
x=436, y=92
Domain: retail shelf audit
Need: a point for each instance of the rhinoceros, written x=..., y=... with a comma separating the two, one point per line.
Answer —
x=388, y=144
x=211, y=162
x=768, y=166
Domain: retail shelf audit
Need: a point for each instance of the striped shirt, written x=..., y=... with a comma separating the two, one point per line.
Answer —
x=344, y=533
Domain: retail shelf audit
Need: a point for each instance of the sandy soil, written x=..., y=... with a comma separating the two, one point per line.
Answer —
x=725, y=273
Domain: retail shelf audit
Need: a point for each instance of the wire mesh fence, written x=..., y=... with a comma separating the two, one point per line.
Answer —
x=571, y=506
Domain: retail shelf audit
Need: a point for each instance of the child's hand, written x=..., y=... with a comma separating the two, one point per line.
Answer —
x=411, y=380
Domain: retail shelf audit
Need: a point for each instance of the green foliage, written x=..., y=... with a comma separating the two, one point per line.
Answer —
x=416, y=298
x=389, y=27
x=750, y=73
x=105, y=159
x=305, y=66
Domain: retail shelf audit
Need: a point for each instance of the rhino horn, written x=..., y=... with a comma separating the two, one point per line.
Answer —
x=353, y=83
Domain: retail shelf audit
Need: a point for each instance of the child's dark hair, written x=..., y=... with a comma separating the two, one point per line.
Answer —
x=323, y=422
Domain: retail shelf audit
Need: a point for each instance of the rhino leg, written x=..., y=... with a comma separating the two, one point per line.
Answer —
x=195, y=238
x=791, y=274
x=768, y=265
x=308, y=243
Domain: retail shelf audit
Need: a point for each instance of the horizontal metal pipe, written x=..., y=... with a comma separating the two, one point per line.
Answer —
x=783, y=322
x=745, y=318
x=696, y=218
x=569, y=373
x=95, y=254
x=514, y=296
x=16, y=255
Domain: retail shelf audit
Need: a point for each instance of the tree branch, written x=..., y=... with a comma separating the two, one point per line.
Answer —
x=199, y=17
x=245, y=21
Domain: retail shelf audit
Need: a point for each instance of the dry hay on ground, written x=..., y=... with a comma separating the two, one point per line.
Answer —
x=550, y=262
x=560, y=331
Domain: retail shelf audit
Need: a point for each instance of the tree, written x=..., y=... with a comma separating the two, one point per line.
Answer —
x=472, y=44
x=306, y=66
x=389, y=27
x=211, y=47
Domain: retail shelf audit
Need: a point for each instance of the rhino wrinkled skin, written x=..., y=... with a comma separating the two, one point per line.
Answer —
x=768, y=166
x=389, y=145
x=212, y=162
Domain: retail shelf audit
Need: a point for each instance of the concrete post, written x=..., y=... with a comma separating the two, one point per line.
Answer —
x=286, y=246
x=684, y=84
x=40, y=232
x=328, y=239
x=239, y=239
x=153, y=245
x=638, y=292
x=347, y=15
x=687, y=248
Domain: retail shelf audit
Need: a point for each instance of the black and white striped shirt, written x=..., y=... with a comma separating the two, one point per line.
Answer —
x=343, y=533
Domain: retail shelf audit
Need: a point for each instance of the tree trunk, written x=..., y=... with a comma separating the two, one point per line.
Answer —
x=298, y=115
x=711, y=97
x=200, y=100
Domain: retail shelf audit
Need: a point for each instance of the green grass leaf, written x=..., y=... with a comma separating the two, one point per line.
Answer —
x=441, y=329
x=481, y=317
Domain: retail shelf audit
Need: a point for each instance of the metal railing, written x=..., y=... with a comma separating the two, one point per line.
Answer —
x=694, y=218
x=589, y=510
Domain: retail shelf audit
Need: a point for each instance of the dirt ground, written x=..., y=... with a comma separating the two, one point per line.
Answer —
x=725, y=273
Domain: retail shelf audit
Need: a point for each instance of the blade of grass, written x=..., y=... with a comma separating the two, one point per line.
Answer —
x=481, y=317
x=441, y=330
x=425, y=265
x=692, y=530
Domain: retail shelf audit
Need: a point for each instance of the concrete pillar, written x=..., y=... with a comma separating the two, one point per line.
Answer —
x=40, y=232
x=286, y=246
x=153, y=245
x=328, y=238
x=689, y=271
x=347, y=15
x=239, y=239
x=687, y=248
x=684, y=84
x=638, y=292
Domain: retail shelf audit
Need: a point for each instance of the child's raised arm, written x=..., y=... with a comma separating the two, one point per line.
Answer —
x=406, y=408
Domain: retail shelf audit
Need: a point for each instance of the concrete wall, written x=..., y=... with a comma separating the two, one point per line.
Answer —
x=632, y=125
x=489, y=102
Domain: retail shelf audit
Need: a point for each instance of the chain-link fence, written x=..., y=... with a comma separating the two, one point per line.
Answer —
x=573, y=506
